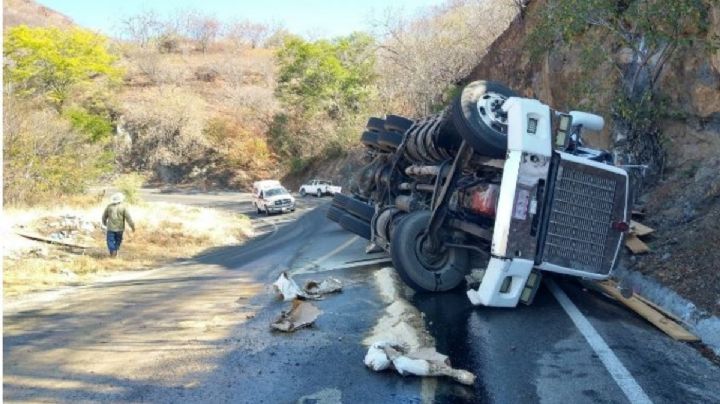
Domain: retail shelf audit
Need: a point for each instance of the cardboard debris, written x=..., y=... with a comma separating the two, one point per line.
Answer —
x=315, y=290
x=640, y=229
x=327, y=286
x=423, y=362
x=636, y=245
x=658, y=317
x=302, y=314
x=633, y=242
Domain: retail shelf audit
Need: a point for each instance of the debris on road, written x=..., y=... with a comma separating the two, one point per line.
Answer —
x=302, y=314
x=288, y=288
x=423, y=362
x=633, y=242
x=657, y=316
x=314, y=290
x=327, y=286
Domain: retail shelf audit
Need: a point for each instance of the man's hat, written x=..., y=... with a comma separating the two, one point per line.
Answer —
x=117, y=198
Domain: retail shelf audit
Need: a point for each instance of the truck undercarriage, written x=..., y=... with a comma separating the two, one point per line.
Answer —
x=493, y=190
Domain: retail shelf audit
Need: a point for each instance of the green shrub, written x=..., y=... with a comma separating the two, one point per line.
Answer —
x=97, y=127
x=129, y=185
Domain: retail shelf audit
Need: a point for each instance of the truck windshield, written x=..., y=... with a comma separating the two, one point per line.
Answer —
x=275, y=192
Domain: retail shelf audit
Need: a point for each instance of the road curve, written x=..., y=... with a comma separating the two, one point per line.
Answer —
x=198, y=330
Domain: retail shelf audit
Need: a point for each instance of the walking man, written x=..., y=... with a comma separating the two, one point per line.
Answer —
x=114, y=218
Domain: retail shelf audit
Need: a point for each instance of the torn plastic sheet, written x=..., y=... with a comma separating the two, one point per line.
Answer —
x=302, y=314
x=422, y=362
x=290, y=290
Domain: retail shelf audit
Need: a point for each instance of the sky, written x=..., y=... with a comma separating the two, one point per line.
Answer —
x=316, y=18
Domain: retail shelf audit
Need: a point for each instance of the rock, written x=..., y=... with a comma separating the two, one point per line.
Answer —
x=624, y=56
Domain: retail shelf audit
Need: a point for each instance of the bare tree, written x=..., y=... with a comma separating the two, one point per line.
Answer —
x=142, y=28
x=247, y=33
x=421, y=59
x=204, y=29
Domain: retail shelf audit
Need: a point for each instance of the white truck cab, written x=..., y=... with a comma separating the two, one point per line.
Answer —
x=580, y=195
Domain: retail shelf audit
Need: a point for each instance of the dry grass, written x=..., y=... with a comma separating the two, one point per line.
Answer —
x=165, y=232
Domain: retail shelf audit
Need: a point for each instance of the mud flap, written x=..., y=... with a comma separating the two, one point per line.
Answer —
x=503, y=283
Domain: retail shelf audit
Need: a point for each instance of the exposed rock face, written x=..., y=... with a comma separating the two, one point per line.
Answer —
x=685, y=204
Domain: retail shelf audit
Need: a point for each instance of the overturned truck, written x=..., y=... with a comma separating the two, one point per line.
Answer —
x=493, y=190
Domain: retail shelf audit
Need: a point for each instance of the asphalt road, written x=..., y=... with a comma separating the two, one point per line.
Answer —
x=199, y=331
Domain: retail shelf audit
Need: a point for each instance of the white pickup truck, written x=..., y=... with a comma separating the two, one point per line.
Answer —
x=319, y=188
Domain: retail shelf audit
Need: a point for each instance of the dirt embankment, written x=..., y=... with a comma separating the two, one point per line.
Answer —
x=684, y=204
x=340, y=170
x=165, y=232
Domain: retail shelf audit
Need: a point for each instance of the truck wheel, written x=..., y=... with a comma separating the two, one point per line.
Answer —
x=370, y=139
x=302, y=192
x=258, y=209
x=355, y=225
x=390, y=140
x=341, y=200
x=478, y=118
x=375, y=125
x=420, y=270
x=360, y=209
x=319, y=193
x=396, y=123
x=334, y=213
x=267, y=211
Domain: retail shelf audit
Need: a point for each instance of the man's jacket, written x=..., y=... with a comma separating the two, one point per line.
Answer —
x=115, y=216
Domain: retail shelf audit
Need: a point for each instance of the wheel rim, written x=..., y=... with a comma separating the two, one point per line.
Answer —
x=431, y=263
x=489, y=107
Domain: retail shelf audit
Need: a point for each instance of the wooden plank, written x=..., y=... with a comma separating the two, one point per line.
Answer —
x=640, y=229
x=649, y=313
x=38, y=237
x=660, y=309
x=636, y=245
x=639, y=213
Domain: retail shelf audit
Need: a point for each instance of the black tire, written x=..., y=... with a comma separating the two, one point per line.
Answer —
x=390, y=140
x=302, y=192
x=370, y=139
x=267, y=211
x=340, y=201
x=335, y=213
x=360, y=209
x=355, y=225
x=375, y=125
x=319, y=193
x=444, y=273
x=477, y=121
x=258, y=209
x=396, y=123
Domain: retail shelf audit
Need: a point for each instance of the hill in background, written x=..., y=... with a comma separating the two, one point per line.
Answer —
x=32, y=14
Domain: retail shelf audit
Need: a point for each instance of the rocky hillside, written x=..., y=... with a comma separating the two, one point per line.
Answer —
x=28, y=12
x=683, y=201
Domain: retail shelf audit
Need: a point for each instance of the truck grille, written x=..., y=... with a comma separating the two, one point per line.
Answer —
x=282, y=202
x=586, y=201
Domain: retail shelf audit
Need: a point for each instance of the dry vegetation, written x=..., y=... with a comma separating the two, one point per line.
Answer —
x=422, y=59
x=165, y=232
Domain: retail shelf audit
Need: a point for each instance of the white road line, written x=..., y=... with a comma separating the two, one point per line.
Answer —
x=315, y=263
x=617, y=370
